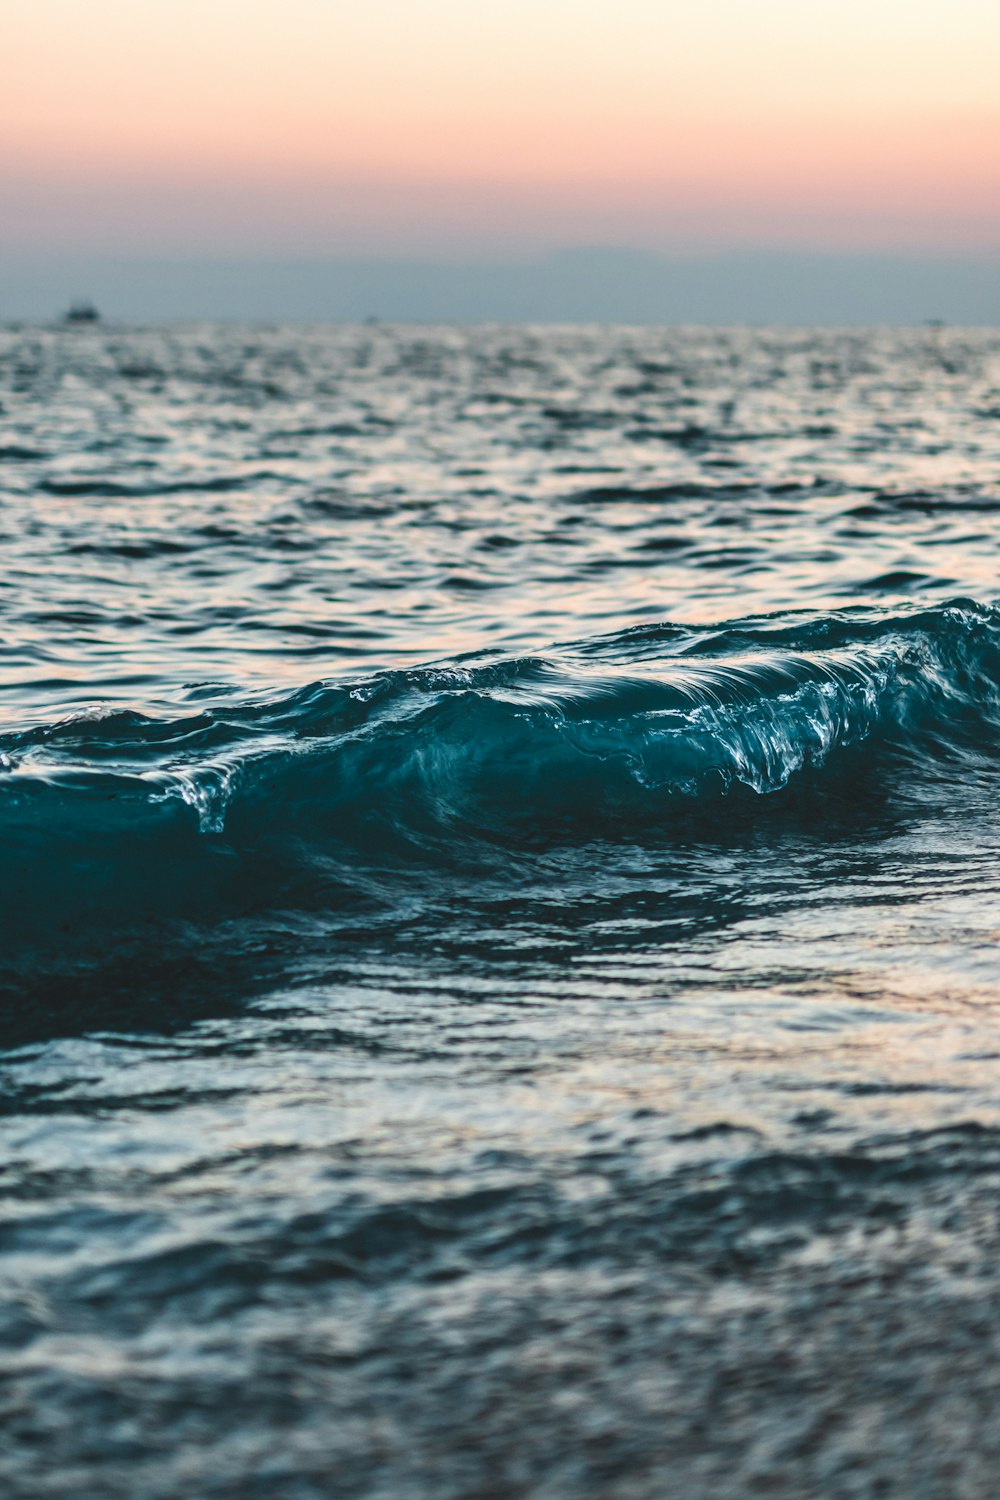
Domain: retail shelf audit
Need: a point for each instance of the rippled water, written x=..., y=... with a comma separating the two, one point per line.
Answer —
x=499, y=961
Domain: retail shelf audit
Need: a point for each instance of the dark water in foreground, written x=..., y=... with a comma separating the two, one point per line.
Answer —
x=499, y=976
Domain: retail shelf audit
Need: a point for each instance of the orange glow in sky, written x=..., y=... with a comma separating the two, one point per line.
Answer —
x=337, y=124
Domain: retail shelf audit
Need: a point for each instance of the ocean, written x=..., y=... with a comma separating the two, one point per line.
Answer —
x=499, y=962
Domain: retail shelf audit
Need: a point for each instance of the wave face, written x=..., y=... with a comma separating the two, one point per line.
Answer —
x=636, y=737
x=499, y=873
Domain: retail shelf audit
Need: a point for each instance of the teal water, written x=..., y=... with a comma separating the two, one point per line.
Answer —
x=498, y=950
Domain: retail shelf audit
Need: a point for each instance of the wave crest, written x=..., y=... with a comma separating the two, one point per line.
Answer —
x=619, y=735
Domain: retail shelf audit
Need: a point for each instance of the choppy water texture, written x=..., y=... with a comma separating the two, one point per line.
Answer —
x=499, y=975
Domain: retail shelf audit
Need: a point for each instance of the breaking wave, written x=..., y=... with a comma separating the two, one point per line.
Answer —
x=117, y=815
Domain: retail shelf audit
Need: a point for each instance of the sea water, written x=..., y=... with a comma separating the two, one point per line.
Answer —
x=499, y=918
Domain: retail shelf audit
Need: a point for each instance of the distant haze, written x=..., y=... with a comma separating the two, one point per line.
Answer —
x=577, y=286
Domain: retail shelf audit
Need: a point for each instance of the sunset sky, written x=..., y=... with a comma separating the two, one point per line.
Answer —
x=442, y=127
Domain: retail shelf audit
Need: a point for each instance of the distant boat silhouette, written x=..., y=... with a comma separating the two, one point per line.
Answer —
x=81, y=312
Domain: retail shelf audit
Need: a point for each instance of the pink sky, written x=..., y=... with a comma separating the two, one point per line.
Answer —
x=435, y=126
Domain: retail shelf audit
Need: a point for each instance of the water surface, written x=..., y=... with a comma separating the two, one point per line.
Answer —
x=498, y=955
